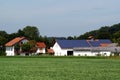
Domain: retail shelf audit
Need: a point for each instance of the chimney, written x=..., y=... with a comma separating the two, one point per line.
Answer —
x=91, y=38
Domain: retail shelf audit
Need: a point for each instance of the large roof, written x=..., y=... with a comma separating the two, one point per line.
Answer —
x=72, y=43
x=14, y=41
x=82, y=43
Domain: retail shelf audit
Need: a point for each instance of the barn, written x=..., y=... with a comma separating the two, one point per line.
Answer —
x=82, y=47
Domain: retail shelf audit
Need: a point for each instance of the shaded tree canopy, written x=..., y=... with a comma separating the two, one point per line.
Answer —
x=26, y=47
x=3, y=37
x=103, y=32
x=20, y=33
x=31, y=32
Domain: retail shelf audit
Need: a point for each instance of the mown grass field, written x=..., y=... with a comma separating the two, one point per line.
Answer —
x=59, y=68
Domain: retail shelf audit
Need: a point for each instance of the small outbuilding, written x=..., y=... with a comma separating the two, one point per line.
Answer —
x=41, y=48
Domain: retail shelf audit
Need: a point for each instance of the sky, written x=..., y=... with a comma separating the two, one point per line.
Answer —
x=60, y=18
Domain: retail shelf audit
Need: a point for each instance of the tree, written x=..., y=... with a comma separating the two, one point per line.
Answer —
x=32, y=44
x=31, y=32
x=113, y=29
x=84, y=36
x=70, y=38
x=20, y=33
x=51, y=41
x=3, y=34
x=116, y=37
x=29, y=46
x=17, y=48
x=26, y=47
x=12, y=36
x=103, y=33
x=3, y=37
x=2, y=40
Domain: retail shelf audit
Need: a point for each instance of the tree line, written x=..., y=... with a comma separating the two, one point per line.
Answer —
x=33, y=34
x=105, y=32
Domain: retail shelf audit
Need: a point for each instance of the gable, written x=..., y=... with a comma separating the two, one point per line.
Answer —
x=41, y=45
x=14, y=41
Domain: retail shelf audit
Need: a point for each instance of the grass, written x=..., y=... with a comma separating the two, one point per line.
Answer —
x=59, y=68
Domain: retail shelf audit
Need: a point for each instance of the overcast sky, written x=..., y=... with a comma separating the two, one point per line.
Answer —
x=58, y=17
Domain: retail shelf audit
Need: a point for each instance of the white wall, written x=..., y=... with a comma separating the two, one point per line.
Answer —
x=58, y=51
x=10, y=51
x=83, y=53
x=40, y=50
x=89, y=53
x=105, y=53
x=63, y=52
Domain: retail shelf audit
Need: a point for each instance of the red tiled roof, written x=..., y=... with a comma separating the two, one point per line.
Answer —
x=14, y=41
x=41, y=45
x=104, y=45
x=50, y=50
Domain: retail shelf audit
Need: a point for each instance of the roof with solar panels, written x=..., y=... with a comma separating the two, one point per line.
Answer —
x=84, y=43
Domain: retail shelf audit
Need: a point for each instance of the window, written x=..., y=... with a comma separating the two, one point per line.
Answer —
x=69, y=53
x=21, y=43
x=105, y=54
x=11, y=48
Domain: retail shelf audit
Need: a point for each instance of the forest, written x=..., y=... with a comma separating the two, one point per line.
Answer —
x=33, y=34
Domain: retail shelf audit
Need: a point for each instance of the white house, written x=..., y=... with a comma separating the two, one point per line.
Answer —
x=41, y=48
x=10, y=46
x=82, y=47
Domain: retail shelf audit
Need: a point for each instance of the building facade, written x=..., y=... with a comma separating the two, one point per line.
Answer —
x=82, y=47
x=10, y=46
x=41, y=48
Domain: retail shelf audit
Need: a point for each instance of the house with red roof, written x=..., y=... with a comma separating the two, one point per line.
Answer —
x=41, y=48
x=10, y=46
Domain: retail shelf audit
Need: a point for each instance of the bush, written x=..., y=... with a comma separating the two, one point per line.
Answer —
x=2, y=53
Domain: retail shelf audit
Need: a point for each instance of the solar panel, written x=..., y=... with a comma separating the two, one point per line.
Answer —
x=81, y=43
x=72, y=43
x=101, y=41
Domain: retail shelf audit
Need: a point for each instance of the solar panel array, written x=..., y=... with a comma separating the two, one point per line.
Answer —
x=81, y=43
x=101, y=41
x=72, y=43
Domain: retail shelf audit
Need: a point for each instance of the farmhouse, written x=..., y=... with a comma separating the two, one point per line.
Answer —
x=41, y=48
x=10, y=46
x=82, y=47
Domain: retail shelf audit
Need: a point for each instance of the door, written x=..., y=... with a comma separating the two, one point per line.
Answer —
x=70, y=53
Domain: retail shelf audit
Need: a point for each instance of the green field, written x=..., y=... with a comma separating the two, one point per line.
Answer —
x=59, y=68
